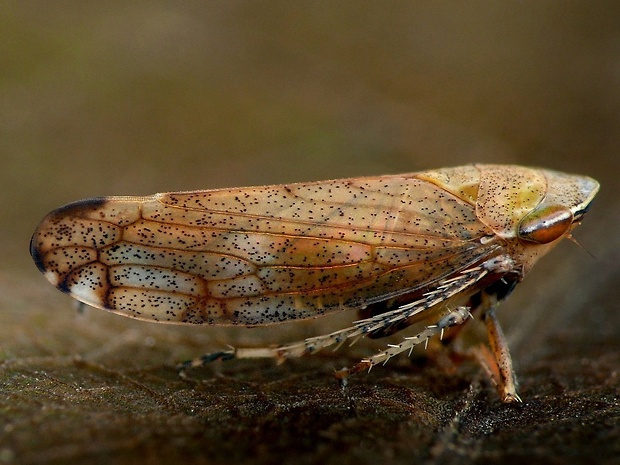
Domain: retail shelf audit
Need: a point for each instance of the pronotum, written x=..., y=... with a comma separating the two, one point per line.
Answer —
x=428, y=249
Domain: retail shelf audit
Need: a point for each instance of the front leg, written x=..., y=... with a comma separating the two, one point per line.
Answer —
x=497, y=361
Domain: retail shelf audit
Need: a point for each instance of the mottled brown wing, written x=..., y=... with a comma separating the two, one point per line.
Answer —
x=260, y=255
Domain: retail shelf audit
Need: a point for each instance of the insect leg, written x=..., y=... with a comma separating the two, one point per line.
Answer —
x=444, y=291
x=500, y=366
x=454, y=318
x=296, y=349
x=495, y=358
x=204, y=360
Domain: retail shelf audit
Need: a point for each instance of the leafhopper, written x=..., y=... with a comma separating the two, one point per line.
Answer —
x=428, y=249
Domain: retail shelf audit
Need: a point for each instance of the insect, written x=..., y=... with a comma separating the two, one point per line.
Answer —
x=427, y=249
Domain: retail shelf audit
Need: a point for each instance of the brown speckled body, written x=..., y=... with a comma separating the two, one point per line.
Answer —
x=261, y=255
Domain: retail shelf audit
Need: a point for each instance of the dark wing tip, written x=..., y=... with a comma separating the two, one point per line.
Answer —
x=35, y=253
x=74, y=208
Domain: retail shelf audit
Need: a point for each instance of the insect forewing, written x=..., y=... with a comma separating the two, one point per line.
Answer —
x=261, y=255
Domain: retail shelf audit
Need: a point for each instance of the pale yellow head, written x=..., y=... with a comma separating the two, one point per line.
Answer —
x=530, y=208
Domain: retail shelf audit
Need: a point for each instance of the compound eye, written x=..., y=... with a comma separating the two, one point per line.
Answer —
x=545, y=224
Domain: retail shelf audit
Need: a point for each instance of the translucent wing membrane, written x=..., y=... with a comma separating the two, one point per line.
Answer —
x=260, y=255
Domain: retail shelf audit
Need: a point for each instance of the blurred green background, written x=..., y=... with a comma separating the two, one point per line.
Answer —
x=119, y=98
